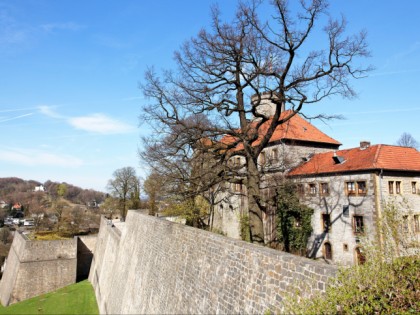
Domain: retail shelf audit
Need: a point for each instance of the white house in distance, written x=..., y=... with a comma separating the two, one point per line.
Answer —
x=39, y=188
x=345, y=188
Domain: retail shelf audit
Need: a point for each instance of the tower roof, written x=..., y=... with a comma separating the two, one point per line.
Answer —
x=295, y=129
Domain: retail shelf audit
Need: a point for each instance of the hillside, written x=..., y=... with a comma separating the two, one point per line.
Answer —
x=13, y=189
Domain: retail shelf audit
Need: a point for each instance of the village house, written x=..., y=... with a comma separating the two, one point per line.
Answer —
x=346, y=188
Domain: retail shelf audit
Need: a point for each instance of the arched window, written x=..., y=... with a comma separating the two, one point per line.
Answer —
x=327, y=251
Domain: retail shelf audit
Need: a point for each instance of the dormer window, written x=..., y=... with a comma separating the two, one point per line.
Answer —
x=338, y=159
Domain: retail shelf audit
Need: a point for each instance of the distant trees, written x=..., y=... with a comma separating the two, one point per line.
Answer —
x=109, y=206
x=221, y=68
x=74, y=194
x=124, y=185
x=407, y=140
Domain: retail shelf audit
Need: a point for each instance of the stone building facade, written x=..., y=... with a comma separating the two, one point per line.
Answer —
x=347, y=189
x=291, y=144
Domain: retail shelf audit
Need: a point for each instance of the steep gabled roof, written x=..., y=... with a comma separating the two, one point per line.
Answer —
x=387, y=157
x=295, y=129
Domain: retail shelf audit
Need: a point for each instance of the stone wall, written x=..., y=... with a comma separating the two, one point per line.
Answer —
x=85, y=249
x=155, y=266
x=37, y=267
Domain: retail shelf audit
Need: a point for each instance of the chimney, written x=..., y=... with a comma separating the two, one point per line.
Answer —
x=364, y=145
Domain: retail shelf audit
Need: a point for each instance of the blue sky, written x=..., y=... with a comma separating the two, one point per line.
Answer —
x=70, y=70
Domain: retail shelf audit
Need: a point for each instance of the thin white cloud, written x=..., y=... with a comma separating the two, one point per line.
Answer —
x=4, y=119
x=403, y=71
x=38, y=158
x=16, y=109
x=95, y=123
x=50, y=112
x=110, y=42
x=99, y=123
x=9, y=30
x=68, y=26
x=402, y=62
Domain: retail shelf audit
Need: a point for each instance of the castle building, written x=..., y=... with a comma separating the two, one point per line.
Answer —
x=347, y=189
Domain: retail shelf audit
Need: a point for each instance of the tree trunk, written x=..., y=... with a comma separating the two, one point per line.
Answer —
x=255, y=206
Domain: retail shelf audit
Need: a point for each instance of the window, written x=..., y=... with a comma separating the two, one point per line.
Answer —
x=345, y=247
x=300, y=189
x=237, y=161
x=398, y=187
x=391, y=187
x=346, y=211
x=238, y=187
x=416, y=223
x=275, y=155
x=312, y=189
x=351, y=188
x=358, y=225
x=361, y=188
x=325, y=189
x=326, y=222
x=262, y=158
x=413, y=187
x=356, y=188
x=327, y=251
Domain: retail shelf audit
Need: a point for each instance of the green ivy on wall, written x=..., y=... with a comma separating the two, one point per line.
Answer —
x=293, y=220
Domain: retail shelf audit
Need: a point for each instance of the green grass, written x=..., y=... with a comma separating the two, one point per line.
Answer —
x=77, y=298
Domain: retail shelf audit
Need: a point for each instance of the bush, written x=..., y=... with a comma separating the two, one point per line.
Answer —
x=388, y=282
x=369, y=289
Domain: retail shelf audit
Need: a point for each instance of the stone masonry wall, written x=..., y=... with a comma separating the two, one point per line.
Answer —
x=158, y=267
x=85, y=248
x=37, y=267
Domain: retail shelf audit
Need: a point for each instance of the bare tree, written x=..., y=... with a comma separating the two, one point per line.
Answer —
x=153, y=186
x=122, y=185
x=407, y=140
x=220, y=69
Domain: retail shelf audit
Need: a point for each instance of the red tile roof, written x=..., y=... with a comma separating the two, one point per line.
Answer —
x=379, y=156
x=296, y=128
